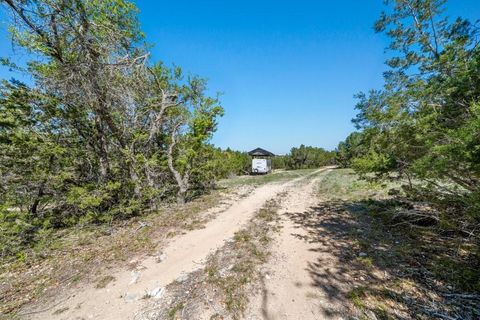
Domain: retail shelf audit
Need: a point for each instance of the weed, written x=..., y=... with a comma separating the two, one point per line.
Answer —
x=251, y=249
x=173, y=311
x=366, y=261
x=146, y=296
x=357, y=295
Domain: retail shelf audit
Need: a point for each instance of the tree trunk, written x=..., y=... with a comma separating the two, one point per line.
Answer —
x=102, y=150
x=41, y=189
x=135, y=179
x=34, y=208
x=182, y=182
x=181, y=196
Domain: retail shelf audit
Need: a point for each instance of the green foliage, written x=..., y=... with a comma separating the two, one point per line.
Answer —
x=102, y=133
x=424, y=125
x=349, y=149
x=305, y=157
x=227, y=163
x=279, y=162
x=371, y=162
x=16, y=232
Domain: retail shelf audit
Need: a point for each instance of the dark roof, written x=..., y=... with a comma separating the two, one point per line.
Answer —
x=260, y=152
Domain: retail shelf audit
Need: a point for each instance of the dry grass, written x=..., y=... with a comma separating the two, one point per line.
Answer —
x=402, y=270
x=221, y=289
x=249, y=250
x=104, y=281
x=72, y=254
x=258, y=180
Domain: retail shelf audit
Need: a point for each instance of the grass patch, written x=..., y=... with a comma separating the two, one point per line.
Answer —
x=174, y=310
x=221, y=289
x=344, y=184
x=104, y=281
x=409, y=270
x=251, y=249
x=258, y=180
x=357, y=295
x=366, y=261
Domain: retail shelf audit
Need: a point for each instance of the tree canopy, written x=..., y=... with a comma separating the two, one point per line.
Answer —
x=424, y=125
x=102, y=132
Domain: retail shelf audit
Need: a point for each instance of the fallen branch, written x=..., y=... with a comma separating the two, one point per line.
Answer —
x=413, y=217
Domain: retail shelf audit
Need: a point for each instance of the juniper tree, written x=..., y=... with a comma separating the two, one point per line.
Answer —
x=425, y=123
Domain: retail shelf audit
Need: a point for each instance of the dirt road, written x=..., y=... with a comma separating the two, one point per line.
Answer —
x=292, y=285
x=126, y=295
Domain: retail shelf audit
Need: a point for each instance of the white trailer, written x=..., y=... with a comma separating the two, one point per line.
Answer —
x=261, y=165
x=261, y=161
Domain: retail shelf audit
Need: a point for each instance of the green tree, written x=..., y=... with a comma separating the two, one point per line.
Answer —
x=424, y=125
x=305, y=157
x=353, y=147
x=103, y=132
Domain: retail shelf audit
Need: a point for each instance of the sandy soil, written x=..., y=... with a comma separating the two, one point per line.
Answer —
x=289, y=289
x=123, y=297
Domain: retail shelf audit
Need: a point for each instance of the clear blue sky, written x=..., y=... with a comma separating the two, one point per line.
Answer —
x=288, y=70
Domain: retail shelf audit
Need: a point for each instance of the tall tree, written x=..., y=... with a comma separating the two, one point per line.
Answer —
x=114, y=132
x=425, y=123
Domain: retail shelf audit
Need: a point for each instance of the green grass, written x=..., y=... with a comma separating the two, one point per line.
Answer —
x=249, y=250
x=357, y=295
x=366, y=261
x=344, y=184
x=173, y=311
x=258, y=180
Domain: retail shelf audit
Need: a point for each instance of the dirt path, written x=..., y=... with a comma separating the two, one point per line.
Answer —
x=291, y=288
x=122, y=298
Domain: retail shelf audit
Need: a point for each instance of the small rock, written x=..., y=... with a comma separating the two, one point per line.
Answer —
x=267, y=276
x=362, y=254
x=131, y=297
x=157, y=293
x=362, y=278
x=182, y=278
x=161, y=257
x=135, y=277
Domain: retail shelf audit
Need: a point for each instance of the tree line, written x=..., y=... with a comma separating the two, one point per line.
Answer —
x=98, y=131
x=307, y=157
x=423, y=126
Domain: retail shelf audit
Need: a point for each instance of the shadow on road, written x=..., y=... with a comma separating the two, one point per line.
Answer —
x=377, y=271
